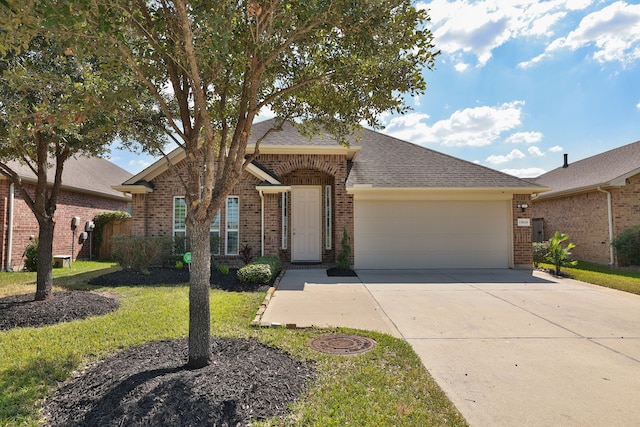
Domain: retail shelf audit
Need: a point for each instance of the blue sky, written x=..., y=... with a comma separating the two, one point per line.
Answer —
x=519, y=83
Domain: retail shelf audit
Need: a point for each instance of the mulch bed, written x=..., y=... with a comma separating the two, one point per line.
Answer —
x=173, y=276
x=149, y=386
x=23, y=310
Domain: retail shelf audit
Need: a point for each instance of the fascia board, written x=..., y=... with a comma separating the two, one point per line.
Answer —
x=479, y=193
x=351, y=151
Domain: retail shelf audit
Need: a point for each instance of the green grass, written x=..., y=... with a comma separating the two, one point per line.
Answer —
x=386, y=386
x=602, y=275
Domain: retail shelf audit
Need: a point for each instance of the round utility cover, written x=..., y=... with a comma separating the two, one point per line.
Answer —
x=342, y=344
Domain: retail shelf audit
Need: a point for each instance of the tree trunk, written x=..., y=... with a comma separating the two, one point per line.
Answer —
x=44, y=276
x=199, y=285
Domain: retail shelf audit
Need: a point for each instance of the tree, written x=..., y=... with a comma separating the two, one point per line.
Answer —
x=559, y=255
x=54, y=104
x=212, y=66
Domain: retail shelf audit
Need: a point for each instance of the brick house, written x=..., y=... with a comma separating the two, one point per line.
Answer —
x=86, y=191
x=592, y=200
x=403, y=206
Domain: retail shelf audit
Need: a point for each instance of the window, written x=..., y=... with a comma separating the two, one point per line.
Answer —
x=233, y=226
x=285, y=220
x=327, y=217
x=214, y=234
x=179, y=225
x=180, y=243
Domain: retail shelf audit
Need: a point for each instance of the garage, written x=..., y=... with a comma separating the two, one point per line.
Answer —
x=410, y=234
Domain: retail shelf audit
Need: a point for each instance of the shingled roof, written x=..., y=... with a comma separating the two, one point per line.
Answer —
x=90, y=175
x=610, y=168
x=383, y=161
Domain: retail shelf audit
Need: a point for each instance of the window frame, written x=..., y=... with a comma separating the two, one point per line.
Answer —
x=229, y=230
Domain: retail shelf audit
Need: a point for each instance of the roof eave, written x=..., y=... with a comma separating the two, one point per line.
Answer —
x=133, y=189
x=440, y=193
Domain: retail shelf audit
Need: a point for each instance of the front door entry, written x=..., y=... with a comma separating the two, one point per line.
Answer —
x=306, y=230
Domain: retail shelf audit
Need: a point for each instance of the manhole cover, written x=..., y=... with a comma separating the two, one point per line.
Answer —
x=342, y=344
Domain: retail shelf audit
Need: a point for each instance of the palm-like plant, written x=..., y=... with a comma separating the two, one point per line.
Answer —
x=559, y=255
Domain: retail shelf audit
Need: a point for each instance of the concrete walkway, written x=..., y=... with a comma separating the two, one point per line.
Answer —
x=508, y=347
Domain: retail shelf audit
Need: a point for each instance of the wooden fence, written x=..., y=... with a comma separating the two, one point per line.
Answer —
x=115, y=227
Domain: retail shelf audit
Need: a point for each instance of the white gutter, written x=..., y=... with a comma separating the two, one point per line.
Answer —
x=10, y=230
x=610, y=217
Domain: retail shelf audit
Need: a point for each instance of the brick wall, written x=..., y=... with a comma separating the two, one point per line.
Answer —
x=584, y=218
x=153, y=212
x=69, y=205
x=522, y=245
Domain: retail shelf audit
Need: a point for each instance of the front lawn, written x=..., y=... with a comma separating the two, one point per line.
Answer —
x=386, y=386
x=602, y=275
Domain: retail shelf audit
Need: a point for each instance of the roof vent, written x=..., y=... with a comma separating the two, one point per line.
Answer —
x=566, y=161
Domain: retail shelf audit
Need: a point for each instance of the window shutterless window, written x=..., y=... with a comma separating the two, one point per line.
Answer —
x=233, y=225
x=327, y=216
x=180, y=243
x=285, y=220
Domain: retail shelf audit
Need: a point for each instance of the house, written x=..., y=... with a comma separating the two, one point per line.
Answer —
x=86, y=190
x=403, y=206
x=592, y=200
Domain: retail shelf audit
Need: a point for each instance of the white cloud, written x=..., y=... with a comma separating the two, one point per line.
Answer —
x=479, y=27
x=473, y=127
x=499, y=159
x=535, y=151
x=524, y=173
x=614, y=31
x=525, y=137
x=461, y=67
x=555, y=149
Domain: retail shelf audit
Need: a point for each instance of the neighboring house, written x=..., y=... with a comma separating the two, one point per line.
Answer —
x=592, y=200
x=403, y=206
x=86, y=190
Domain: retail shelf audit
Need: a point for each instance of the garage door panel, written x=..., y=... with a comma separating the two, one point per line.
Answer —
x=431, y=234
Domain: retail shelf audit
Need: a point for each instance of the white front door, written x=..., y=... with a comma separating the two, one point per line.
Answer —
x=306, y=232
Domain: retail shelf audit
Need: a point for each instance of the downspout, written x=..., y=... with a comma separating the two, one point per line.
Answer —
x=610, y=215
x=10, y=230
x=261, y=222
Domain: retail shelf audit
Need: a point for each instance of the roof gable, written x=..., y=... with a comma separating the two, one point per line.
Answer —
x=610, y=168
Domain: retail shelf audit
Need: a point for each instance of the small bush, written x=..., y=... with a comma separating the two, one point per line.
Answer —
x=30, y=255
x=245, y=253
x=344, y=257
x=262, y=270
x=139, y=253
x=223, y=268
x=559, y=255
x=540, y=251
x=627, y=245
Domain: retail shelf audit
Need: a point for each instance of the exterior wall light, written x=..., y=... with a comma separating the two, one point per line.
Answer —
x=522, y=206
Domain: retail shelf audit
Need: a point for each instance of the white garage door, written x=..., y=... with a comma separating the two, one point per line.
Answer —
x=431, y=234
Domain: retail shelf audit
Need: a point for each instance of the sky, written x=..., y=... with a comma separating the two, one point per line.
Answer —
x=520, y=83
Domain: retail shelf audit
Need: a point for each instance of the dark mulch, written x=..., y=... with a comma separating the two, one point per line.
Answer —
x=341, y=272
x=149, y=386
x=173, y=276
x=23, y=311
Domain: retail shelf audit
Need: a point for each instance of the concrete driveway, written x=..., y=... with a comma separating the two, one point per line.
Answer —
x=508, y=347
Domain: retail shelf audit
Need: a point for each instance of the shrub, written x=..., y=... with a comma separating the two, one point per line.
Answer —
x=262, y=270
x=627, y=245
x=223, y=268
x=138, y=253
x=245, y=253
x=558, y=255
x=540, y=251
x=344, y=257
x=30, y=255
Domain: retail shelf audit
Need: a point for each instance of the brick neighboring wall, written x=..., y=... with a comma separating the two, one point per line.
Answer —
x=522, y=243
x=584, y=217
x=25, y=226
